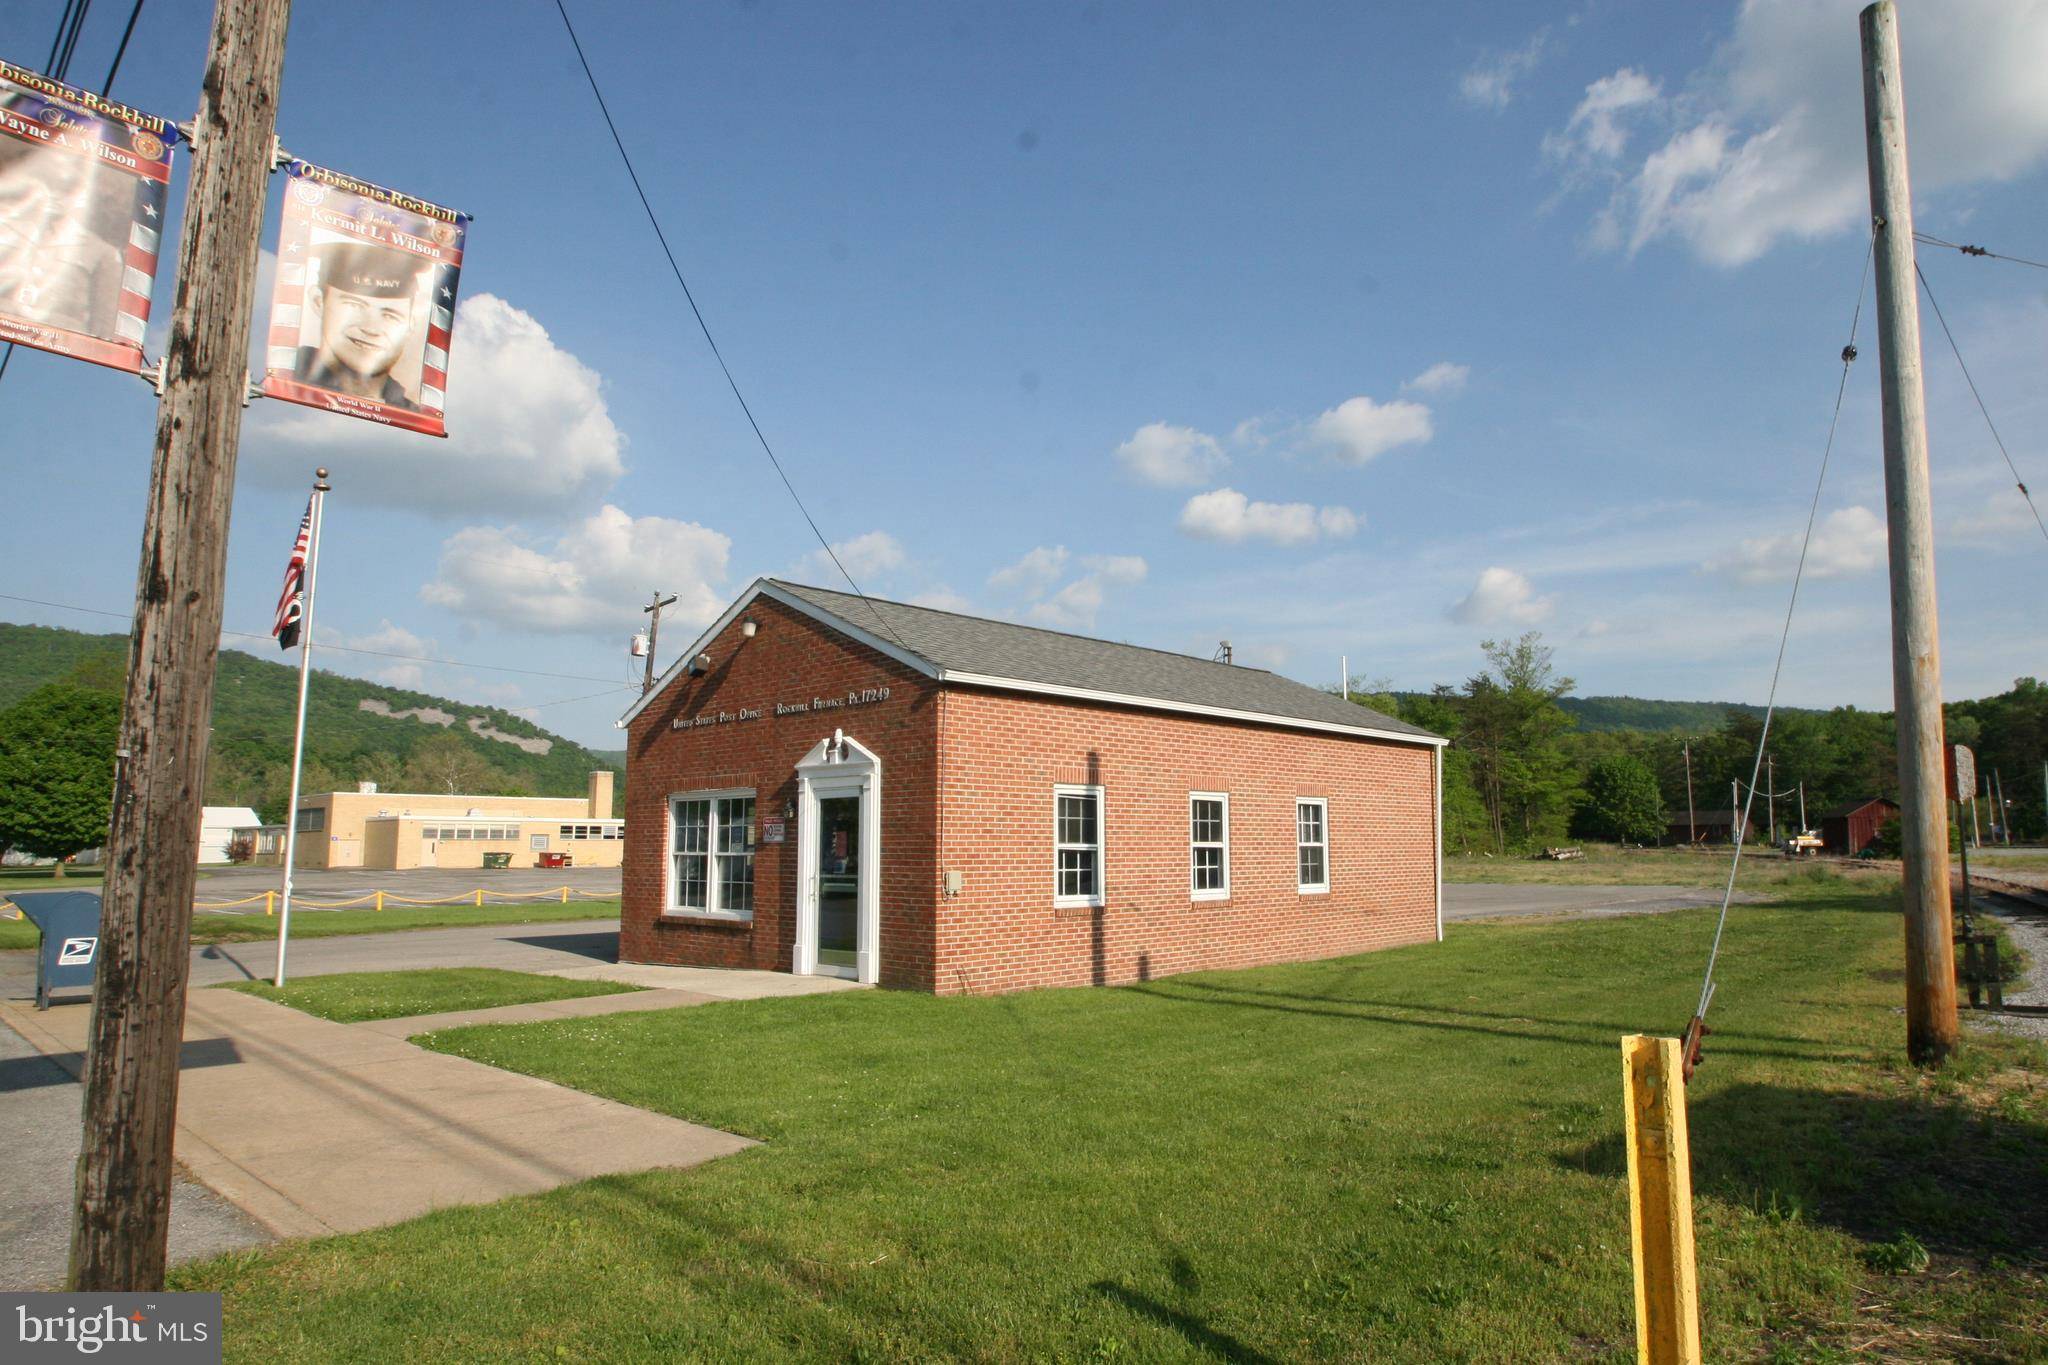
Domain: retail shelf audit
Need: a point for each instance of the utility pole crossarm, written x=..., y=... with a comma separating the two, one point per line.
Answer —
x=653, y=612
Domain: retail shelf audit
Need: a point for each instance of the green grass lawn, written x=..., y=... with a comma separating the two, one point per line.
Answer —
x=1763, y=869
x=329, y=923
x=351, y=997
x=1412, y=1155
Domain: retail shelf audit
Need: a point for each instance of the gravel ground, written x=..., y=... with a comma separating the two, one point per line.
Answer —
x=2029, y=931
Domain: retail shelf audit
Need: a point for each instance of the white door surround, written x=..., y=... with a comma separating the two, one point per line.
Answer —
x=839, y=766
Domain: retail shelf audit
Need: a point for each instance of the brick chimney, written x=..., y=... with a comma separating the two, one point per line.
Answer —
x=601, y=794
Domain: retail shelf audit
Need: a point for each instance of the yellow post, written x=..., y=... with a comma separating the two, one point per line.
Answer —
x=270, y=903
x=1660, y=1202
x=479, y=898
x=380, y=898
x=565, y=895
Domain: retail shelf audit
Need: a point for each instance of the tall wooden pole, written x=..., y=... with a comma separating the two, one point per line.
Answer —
x=122, y=1217
x=1931, y=1029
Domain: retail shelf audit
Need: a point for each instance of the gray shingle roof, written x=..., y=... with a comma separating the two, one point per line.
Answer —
x=1001, y=649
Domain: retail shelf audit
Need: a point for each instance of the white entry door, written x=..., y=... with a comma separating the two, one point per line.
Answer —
x=429, y=854
x=839, y=857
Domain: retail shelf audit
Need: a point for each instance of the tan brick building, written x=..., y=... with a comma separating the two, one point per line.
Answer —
x=389, y=831
x=913, y=797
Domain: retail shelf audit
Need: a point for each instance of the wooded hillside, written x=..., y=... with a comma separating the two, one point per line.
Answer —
x=250, y=759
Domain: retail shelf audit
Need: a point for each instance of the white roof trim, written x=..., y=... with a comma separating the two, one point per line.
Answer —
x=761, y=587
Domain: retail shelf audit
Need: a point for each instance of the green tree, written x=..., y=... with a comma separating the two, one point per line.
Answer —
x=1622, y=801
x=444, y=765
x=1513, y=729
x=57, y=771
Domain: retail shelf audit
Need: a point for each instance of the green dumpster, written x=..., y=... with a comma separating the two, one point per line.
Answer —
x=497, y=860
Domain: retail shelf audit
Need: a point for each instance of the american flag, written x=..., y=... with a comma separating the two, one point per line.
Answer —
x=291, y=605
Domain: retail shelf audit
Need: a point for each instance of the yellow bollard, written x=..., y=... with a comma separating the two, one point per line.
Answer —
x=1660, y=1202
x=270, y=904
x=565, y=895
x=380, y=899
x=479, y=898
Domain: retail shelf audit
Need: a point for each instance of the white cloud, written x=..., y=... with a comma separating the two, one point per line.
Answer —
x=1032, y=574
x=1768, y=140
x=592, y=579
x=1501, y=597
x=939, y=597
x=1359, y=430
x=391, y=639
x=873, y=555
x=1074, y=604
x=1849, y=540
x=1169, y=456
x=1442, y=377
x=1490, y=82
x=2002, y=519
x=1121, y=570
x=1595, y=129
x=527, y=422
x=1227, y=515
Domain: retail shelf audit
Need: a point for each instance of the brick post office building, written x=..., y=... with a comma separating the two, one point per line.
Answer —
x=836, y=785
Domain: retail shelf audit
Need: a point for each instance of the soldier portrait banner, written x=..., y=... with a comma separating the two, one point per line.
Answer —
x=364, y=306
x=82, y=187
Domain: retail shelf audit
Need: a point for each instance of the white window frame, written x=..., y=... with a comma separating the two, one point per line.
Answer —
x=1196, y=892
x=1322, y=805
x=1100, y=846
x=711, y=909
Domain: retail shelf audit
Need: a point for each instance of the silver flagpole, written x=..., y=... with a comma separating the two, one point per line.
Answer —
x=291, y=823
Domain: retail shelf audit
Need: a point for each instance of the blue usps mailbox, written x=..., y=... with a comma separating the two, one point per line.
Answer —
x=70, y=921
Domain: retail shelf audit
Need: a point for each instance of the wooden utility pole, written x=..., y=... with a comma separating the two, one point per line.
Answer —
x=1931, y=1028
x=653, y=610
x=122, y=1218
x=1692, y=833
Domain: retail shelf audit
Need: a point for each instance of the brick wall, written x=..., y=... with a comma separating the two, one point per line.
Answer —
x=792, y=658
x=1001, y=755
x=967, y=785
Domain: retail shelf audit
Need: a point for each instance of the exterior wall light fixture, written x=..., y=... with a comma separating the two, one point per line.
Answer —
x=749, y=626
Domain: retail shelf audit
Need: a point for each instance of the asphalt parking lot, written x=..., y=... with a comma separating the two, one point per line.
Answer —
x=426, y=883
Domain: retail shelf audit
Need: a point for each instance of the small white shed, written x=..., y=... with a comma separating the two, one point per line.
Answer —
x=217, y=826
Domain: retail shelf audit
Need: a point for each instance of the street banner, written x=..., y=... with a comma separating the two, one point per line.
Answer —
x=82, y=186
x=364, y=305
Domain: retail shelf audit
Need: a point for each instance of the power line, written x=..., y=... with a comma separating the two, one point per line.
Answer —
x=705, y=327
x=1995, y=437
x=1931, y=240
x=343, y=649
x=1697, y=1027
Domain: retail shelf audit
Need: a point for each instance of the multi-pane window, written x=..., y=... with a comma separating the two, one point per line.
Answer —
x=1209, y=845
x=612, y=829
x=447, y=832
x=736, y=854
x=1077, y=845
x=1312, y=843
x=711, y=854
x=312, y=818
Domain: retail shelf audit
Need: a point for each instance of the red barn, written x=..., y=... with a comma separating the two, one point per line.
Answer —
x=838, y=785
x=1846, y=830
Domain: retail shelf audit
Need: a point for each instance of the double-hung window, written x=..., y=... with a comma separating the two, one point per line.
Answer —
x=1208, y=845
x=711, y=854
x=1312, y=843
x=1077, y=846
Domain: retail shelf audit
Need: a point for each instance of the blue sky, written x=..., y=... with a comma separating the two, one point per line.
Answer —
x=1331, y=330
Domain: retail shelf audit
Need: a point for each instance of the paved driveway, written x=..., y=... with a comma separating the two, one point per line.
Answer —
x=40, y=1131
x=1496, y=900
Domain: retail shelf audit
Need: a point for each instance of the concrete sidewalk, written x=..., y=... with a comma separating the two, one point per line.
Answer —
x=315, y=1127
